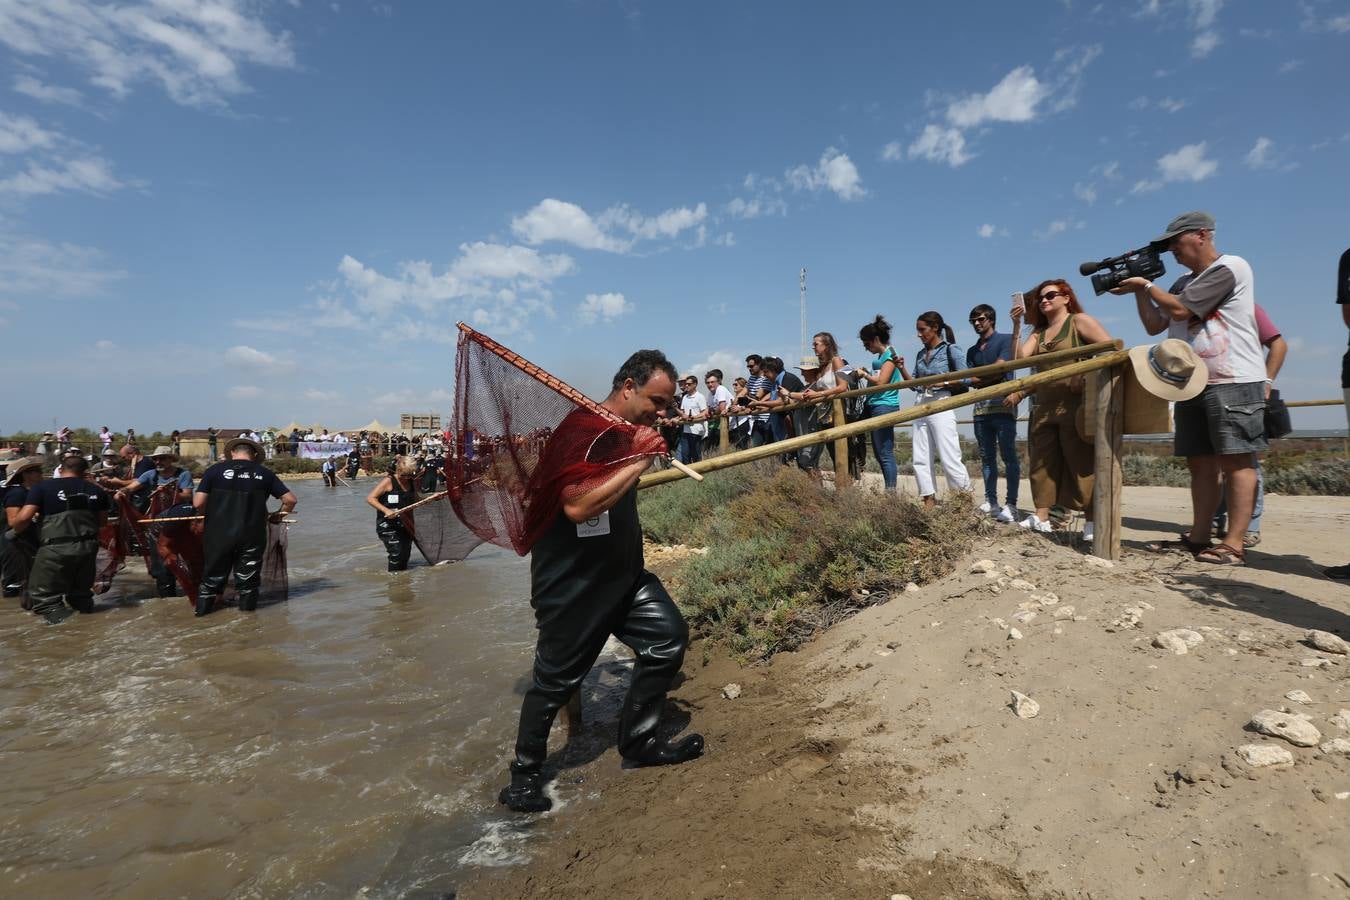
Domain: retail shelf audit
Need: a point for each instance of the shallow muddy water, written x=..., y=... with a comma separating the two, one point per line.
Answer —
x=348, y=742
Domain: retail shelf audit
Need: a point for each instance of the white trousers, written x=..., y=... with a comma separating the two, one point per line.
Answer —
x=938, y=432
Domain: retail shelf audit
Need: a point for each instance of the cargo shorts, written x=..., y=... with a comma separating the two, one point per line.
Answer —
x=1223, y=420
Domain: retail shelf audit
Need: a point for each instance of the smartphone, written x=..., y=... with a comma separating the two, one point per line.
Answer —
x=1019, y=300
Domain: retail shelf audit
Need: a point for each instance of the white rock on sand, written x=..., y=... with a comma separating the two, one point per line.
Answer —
x=1014, y=634
x=1298, y=697
x=731, y=691
x=1065, y=612
x=1315, y=662
x=982, y=567
x=1259, y=756
x=1294, y=729
x=1341, y=719
x=1339, y=746
x=1096, y=562
x=1178, y=640
x=1327, y=642
x=1024, y=706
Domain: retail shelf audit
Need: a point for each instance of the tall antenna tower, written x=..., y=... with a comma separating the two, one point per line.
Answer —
x=806, y=348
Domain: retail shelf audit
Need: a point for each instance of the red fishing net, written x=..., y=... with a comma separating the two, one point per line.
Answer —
x=525, y=442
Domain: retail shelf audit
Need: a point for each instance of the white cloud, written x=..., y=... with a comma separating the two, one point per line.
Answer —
x=419, y=400
x=1086, y=192
x=986, y=230
x=104, y=346
x=727, y=239
x=1204, y=44
x=892, y=152
x=1260, y=156
x=20, y=134
x=1111, y=170
x=730, y=364
x=1205, y=12
x=603, y=308
x=34, y=267
x=192, y=48
x=765, y=199
x=834, y=171
x=1172, y=105
x=251, y=359
x=938, y=144
x=1059, y=226
x=243, y=392
x=47, y=93
x=1014, y=99
x=1339, y=24
x=87, y=174
x=559, y=220
x=1188, y=163
x=317, y=396
x=1293, y=64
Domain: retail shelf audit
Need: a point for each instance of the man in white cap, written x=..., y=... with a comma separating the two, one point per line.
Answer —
x=233, y=495
x=1213, y=309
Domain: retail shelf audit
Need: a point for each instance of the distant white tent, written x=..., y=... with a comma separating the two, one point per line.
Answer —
x=374, y=425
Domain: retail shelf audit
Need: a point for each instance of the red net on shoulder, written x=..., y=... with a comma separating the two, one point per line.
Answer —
x=525, y=443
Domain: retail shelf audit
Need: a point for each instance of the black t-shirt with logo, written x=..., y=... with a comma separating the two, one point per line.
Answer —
x=240, y=475
x=58, y=495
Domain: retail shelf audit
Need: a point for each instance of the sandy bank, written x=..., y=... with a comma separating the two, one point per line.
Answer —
x=883, y=758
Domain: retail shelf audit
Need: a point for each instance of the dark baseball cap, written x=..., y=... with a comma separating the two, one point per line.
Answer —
x=1190, y=221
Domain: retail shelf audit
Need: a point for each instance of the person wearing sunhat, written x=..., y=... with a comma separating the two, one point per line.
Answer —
x=1212, y=308
x=17, y=550
x=233, y=494
x=174, y=485
x=73, y=510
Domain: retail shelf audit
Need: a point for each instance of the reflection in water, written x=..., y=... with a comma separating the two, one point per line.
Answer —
x=353, y=737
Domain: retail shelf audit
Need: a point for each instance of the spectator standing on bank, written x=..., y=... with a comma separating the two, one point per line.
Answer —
x=938, y=354
x=995, y=420
x=740, y=425
x=693, y=421
x=886, y=368
x=1343, y=299
x=106, y=437
x=757, y=388
x=719, y=403
x=211, y=442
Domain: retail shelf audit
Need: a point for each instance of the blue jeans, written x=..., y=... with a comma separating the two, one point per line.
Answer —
x=691, y=448
x=883, y=445
x=1221, y=514
x=997, y=436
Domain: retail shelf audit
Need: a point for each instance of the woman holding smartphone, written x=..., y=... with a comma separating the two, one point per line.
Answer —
x=887, y=368
x=1061, y=460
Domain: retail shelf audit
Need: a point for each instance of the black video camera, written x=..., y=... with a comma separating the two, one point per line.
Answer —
x=1144, y=262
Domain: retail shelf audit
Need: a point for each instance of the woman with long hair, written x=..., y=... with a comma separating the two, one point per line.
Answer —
x=1061, y=459
x=886, y=368
x=821, y=381
x=395, y=491
x=938, y=354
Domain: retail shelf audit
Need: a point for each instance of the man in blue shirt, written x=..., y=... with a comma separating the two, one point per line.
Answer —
x=995, y=420
x=175, y=485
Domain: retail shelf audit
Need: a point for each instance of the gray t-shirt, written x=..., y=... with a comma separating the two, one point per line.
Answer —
x=1222, y=326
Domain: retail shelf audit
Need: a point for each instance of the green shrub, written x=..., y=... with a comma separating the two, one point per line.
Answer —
x=1328, y=477
x=1162, y=471
x=681, y=512
x=788, y=557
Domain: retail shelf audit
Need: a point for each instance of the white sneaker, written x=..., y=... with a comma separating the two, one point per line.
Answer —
x=1031, y=523
x=1007, y=515
x=1087, y=532
x=986, y=508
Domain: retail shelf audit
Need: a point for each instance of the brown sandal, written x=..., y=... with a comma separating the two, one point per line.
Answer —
x=1183, y=542
x=1222, y=555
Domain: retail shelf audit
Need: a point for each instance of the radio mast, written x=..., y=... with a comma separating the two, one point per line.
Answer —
x=802, y=279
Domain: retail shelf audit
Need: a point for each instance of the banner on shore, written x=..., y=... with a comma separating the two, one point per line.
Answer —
x=324, y=449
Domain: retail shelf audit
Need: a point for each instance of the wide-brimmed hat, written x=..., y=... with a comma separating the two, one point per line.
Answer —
x=809, y=362
x=16, y=467
x=72, y=451
x=1171, y=369
x=235, y=442
x=1197, y=220
x=108, y=451
x=163, y=450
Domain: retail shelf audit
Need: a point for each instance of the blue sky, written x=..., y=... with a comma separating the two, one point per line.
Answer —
x=234, y=212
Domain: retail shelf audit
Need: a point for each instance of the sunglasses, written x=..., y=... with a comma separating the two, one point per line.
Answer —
x=975, y=320
x=1050, y=295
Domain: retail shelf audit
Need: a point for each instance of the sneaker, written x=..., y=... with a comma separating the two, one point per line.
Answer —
x=1031, y=523
x=1087, y=532
x=1007, y=515
x=986, y=507
x=525, y=793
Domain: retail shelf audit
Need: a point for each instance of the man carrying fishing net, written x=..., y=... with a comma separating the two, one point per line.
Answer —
x=588, y=579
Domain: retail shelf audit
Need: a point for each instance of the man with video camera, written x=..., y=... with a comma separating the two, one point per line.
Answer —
x=1213, y=309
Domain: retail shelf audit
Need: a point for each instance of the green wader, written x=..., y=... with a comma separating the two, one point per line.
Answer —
x=66, y=559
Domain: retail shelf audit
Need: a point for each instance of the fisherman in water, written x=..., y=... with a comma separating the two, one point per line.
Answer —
x=233, y=495
x=588, y=581
x=395, y=491
x=17, y=550
x=73, y=509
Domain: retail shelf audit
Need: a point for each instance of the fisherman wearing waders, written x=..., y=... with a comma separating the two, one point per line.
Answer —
x=233, y=495
x=353, y=460
x=73, y=510
x=167, y=477
x=17, y=550
x=395, y=491
x=588, y=581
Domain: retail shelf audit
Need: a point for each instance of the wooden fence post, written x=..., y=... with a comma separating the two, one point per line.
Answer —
x=724, y=434
x=841, y=476
x=1109, y=388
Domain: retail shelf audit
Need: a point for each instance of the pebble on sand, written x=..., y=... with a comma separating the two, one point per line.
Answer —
x=1024, y=706
x=1327, y=642
x=1293, y=728
x=1096, y=562
x=1014, y=634
x=1338, y=746
x=1298, y=697
x=1065, y=612
x=1259, y=756
x=1178, y=640
x=1341, y=719
x=731, y=691
x=982, y=567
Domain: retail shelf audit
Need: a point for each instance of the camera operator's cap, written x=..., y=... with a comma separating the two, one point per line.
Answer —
x=16, y=467
x=1191, y=221
x=1171, y=369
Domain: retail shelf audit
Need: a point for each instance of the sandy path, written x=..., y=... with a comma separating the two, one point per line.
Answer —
x=883, y=758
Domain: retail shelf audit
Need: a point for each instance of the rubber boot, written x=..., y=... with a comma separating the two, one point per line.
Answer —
x=656, y=752
x=525, y=793
x=206, y=601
